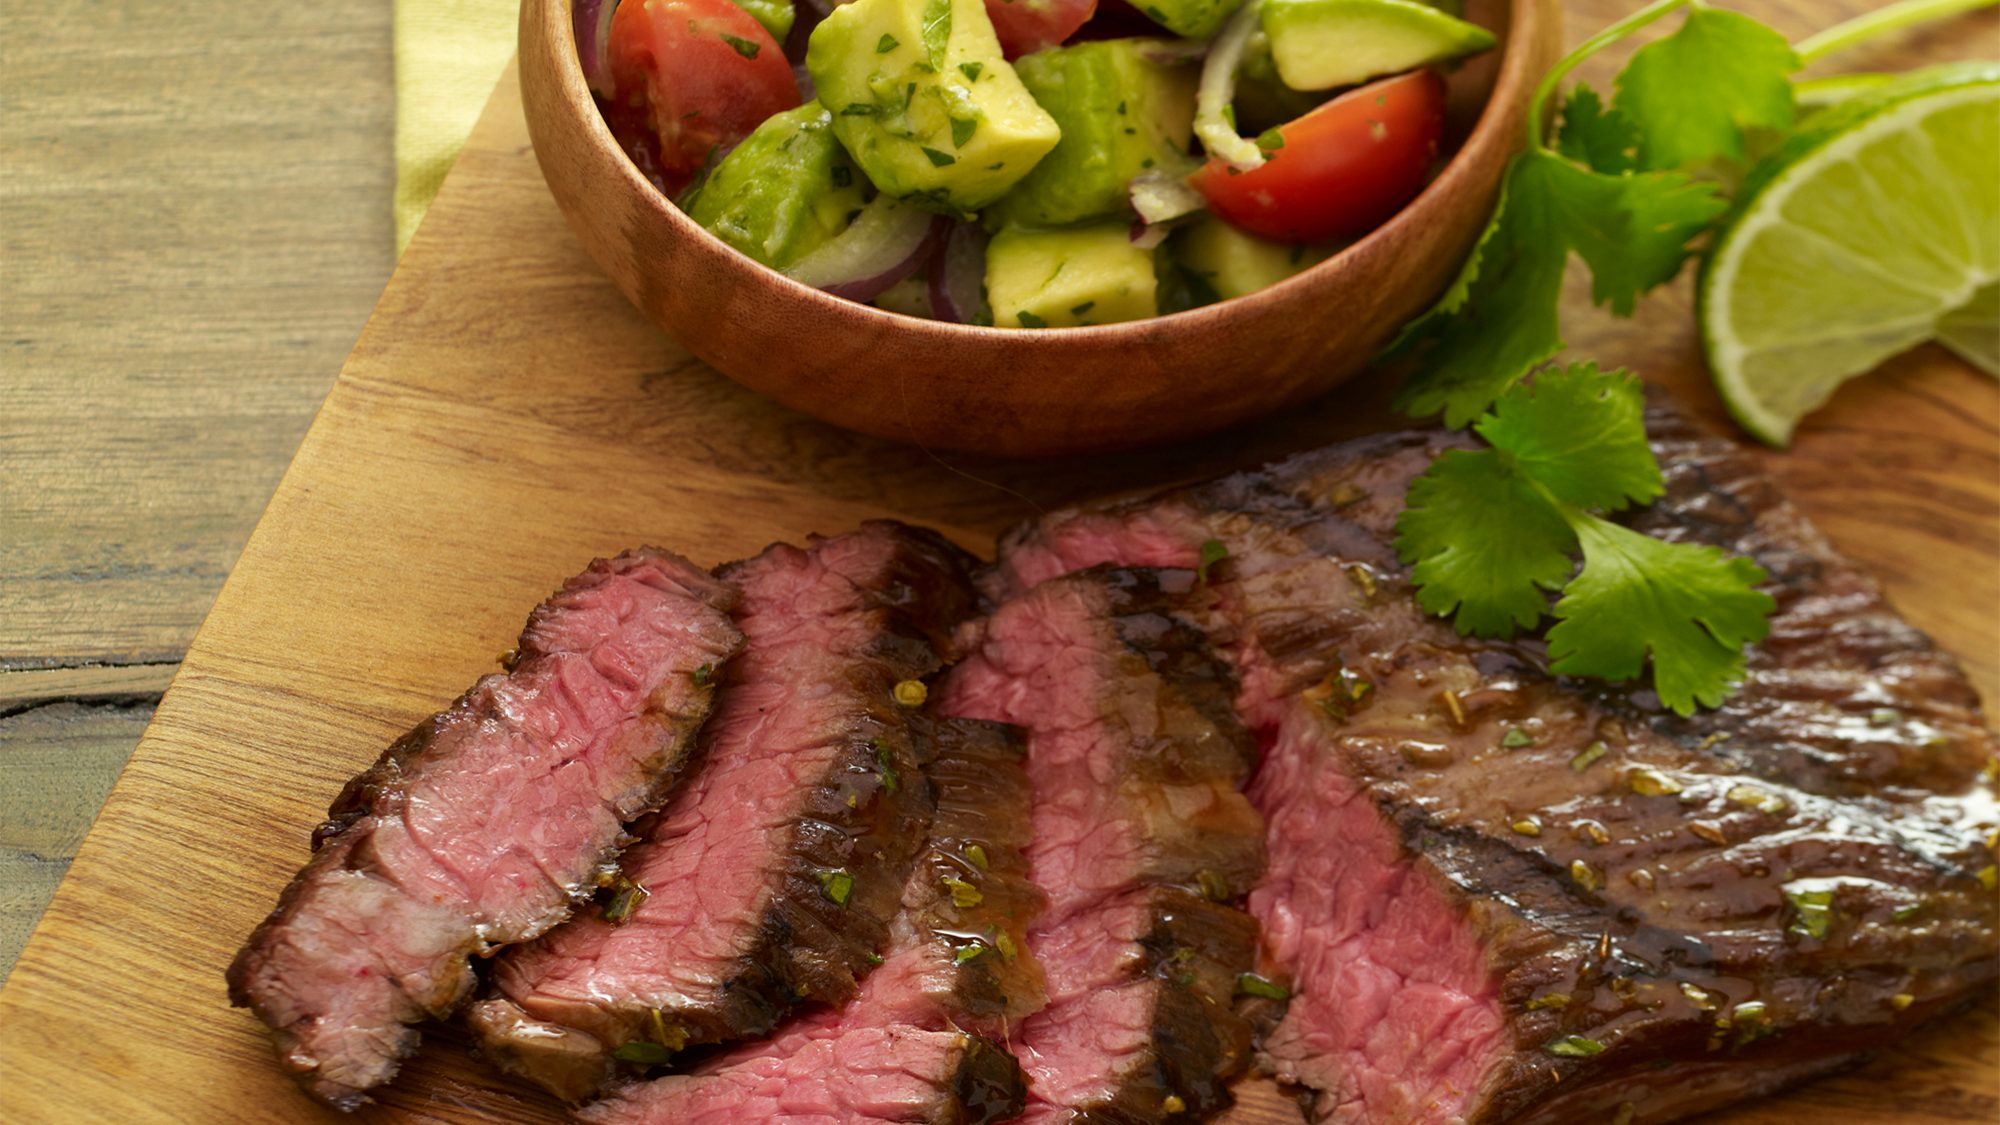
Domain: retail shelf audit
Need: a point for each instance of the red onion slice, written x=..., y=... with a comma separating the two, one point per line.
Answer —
x=592, y=22
x=958, y=273
x=1160, y=197
x=881, y=247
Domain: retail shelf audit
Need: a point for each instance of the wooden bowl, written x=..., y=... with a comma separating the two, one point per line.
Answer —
x=1029, y=391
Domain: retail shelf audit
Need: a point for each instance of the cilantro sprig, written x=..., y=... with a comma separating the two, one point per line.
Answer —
x=1493, y=535
x=1616, y=190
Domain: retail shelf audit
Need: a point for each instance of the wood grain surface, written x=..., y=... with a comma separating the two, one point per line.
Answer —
x=504, y=417
x=193, y=226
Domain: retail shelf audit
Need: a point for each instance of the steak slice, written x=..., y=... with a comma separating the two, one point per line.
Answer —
x=921, y=1037
x=773, y=874
x=1141, y=841
x=887, y=1074
x=484, y=825
x=1506, y=896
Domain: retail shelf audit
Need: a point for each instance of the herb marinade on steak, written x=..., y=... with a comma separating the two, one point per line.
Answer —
x=484, y=825
x=773, y=873
x=922, y=1039
x=1141, y=840
x=1500, y=895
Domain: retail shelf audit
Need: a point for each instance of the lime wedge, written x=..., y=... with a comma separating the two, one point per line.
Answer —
x=1874, y=228
x=1819, y=93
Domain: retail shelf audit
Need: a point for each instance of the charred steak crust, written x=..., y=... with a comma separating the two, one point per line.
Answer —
x=1620, y=912
x=774, y=873
x=483, y=826
x=1141, y=841
x=929, y=1020
x=958, y=952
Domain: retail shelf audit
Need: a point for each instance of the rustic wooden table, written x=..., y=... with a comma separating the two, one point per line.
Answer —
x=194, y=223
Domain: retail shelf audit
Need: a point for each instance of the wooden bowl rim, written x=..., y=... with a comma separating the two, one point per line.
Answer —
x=1511, y=77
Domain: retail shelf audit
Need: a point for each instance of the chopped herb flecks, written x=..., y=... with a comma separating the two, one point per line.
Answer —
x=1575, y=1047
x=1212, y=551
x=745, y=47
x=1250, y=984
x=836, y=885
x=641, y=1053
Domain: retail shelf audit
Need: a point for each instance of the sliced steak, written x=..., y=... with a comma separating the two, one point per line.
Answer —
x=920, y=1040
x=1504, y=896
x=774, y=872
x=485, y=824
x=885, y=1074
x=1141, y=841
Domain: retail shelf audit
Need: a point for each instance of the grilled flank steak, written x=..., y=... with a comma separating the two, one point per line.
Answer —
x=1499, y=895
x=771, y=877
x=922, y=1040
x=486, y=824
x=1142, y=842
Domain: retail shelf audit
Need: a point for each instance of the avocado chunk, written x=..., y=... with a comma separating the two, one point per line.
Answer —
x=924, y=102
x=775, y=15
x=1234, y=262
x=1122, y=113
x=1263, y=101
x=1189, y=19
x=1321, y=44
x=786, y=190
x=1066, y=278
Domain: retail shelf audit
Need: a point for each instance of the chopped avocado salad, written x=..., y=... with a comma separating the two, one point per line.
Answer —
x=1029, y=164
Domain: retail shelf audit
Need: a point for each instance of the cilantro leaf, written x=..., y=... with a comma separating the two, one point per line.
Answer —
x=1694, y=92
x=936, y=31
x=1632, y=230
x=1499, y=320
x=1691, y=607
x=1580, y=433
x=1483, y=542
x=1602, y=140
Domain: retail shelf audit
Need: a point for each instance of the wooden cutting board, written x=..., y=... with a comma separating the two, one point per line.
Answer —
x=505, y=417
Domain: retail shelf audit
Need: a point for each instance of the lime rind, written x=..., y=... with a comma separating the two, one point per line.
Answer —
x=1873, y=229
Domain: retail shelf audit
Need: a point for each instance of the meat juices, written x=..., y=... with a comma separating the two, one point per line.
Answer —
x=1141, y=840
x=1504, y=896
x=484, y=825
x=774, y=872
x=922, y=1039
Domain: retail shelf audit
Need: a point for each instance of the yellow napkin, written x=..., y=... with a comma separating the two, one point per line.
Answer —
x=449, y=53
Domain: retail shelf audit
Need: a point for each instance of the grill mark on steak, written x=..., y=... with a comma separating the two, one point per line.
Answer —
x=773, y=874
x=956, y=974
x=483, y=826
x=1846, y=771
x=1135, y=755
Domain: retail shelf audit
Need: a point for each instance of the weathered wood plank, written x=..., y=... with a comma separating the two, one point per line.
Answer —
x=193, y=226
x=58, y=762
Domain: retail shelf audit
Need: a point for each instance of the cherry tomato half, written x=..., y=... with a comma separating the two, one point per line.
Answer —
x=1029, y=25
x=1339, y=171
x=705, y=70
